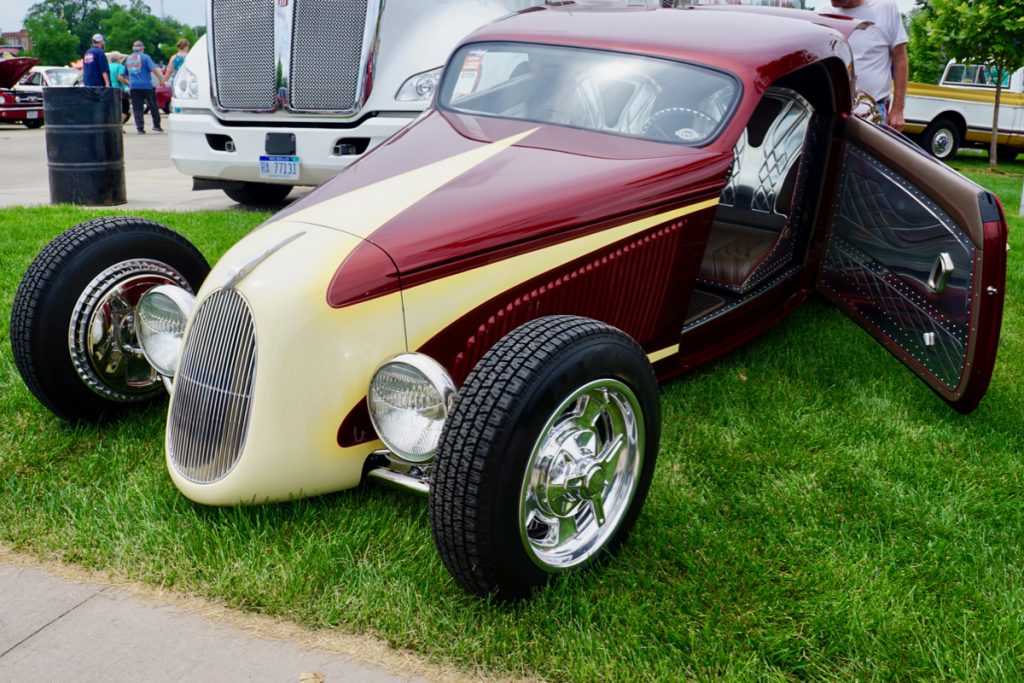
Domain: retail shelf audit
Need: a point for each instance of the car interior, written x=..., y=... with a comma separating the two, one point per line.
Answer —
x=758, y=236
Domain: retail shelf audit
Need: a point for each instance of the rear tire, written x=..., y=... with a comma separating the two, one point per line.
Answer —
x=1006, y=154
x=546, y=458
x=941, y=139
x=258, y=194
x=72, y=320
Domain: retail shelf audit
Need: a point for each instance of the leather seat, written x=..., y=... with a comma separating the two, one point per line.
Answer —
x=749, y=240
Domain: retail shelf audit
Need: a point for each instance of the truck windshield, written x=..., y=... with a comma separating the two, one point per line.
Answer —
x=609, y=92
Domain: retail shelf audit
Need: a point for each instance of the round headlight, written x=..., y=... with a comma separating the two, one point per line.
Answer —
x=409, y=398
x=160, y=318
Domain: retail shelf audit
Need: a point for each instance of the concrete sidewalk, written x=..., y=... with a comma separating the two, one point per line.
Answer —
x=151, y=179
x=56, y=629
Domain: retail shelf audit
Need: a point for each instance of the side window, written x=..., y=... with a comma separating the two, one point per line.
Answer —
x=955, y=74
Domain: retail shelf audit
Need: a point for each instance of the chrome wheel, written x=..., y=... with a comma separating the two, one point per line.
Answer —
x=942, y=143
x=582, y=475
x=101, y=337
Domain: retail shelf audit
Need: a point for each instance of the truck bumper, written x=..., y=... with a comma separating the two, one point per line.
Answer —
x=199, y=146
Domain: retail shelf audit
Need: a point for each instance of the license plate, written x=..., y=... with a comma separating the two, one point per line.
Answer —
x=32, y=114
x=278, y=167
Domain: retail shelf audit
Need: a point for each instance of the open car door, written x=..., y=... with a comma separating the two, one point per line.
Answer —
x=916, y=255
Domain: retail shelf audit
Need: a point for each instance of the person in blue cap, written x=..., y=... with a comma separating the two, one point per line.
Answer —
x=141, y=70
x=95, y=68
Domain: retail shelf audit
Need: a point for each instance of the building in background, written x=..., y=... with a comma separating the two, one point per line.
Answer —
x=20, y=38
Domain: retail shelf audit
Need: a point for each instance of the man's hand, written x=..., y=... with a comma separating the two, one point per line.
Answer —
x=894, y=119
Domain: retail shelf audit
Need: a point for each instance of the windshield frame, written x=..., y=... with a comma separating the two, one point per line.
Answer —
x=448, y=75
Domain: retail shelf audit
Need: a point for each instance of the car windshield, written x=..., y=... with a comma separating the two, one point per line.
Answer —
x=609, y=92
x=61, y=76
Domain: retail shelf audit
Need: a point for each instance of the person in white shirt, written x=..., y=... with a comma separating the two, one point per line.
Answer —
x=879, y=53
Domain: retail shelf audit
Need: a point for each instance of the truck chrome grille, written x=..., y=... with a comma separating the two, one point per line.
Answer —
x=209, y=416
x=243, y=54
x=328, y=60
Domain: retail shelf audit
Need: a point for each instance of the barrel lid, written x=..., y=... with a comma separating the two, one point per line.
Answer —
x=13, y=69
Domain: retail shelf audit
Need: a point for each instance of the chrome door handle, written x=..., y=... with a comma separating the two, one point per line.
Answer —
x=941, y=272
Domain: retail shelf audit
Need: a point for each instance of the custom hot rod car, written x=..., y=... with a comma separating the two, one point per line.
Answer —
x=481, y=308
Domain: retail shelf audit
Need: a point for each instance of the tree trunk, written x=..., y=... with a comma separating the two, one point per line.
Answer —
x=994, y=145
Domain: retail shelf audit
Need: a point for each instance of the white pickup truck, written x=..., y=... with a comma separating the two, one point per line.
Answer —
x=288, y=92
x=958, y=111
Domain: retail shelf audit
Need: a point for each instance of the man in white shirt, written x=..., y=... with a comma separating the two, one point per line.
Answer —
x=879, y=53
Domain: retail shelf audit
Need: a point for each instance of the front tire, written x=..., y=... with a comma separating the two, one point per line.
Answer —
x=33, y=124
x=72, y=320
x=258, y=194
x=546, y=458
x=941, y=139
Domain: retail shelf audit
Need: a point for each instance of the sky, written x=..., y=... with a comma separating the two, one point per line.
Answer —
x=191, y=12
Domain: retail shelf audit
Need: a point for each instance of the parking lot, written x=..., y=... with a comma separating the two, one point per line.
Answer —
x=152, y=180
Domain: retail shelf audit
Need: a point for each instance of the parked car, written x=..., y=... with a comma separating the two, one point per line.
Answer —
x=39, y=77
x=481, y=308
x=15, y=106
x=958, y=111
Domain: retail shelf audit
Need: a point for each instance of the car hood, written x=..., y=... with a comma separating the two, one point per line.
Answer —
x=11, y=70
x=451, y=189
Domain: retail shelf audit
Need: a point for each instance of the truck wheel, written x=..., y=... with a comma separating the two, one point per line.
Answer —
x=942, y=139
x=32, y=124
x=546, y=458
x=73, y=319
x=258, y=194
x=1006, y=154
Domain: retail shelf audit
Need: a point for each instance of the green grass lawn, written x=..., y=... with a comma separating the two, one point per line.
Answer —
x=816, y=513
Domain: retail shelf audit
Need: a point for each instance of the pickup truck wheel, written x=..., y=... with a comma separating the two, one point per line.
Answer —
x=1006, y=154
x=942, y=139
x=32, y=124
x=546, y=457
x=73, y=318
x=258, y=194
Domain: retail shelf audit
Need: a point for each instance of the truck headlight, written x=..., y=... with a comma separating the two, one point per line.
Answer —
x=409, y=399
x=160, y=318
x=186, y=85
x=420, y=88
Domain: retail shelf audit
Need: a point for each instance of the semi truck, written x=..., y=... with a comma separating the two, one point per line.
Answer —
x=280, y=93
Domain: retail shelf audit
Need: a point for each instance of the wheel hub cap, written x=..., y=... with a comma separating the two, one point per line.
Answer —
x=101, y=337
x=582, y=475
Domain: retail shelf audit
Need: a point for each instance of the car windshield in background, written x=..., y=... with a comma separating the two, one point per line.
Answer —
x=62, y=76
x=609, y=92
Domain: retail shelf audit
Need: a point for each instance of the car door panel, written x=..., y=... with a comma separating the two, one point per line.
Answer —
x=916, y=255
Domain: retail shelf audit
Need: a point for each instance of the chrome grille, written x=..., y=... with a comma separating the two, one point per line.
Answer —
x=328, y=60
x=243, y=54
x=212, y=400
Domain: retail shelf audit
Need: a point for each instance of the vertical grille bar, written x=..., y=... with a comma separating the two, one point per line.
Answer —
x=330, y=49
x=243, y=54
x=212, y=401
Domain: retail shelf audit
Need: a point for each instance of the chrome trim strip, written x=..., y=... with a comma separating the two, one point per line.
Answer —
x=400, y=480
x=239, y=273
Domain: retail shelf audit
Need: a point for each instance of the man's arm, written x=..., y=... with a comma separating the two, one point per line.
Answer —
x=159, y=74
x=900, y=71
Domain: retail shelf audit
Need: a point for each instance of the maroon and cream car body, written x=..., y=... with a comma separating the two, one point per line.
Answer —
x=600, y=196
x=17, y=106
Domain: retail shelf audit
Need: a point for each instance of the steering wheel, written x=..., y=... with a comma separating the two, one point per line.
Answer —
x=678, y=124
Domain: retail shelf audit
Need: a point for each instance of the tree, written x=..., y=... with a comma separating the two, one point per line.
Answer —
x=73, y=13
x=990, y=32
x=52, y=43
x=926, y=58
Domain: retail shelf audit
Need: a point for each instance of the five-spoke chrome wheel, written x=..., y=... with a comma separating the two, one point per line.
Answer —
x=582, y=475
x=546, y=456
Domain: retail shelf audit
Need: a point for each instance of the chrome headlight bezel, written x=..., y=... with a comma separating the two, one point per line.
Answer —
x=433, y=378
x=182, y=302
x=420, y=87
x=186, y=85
